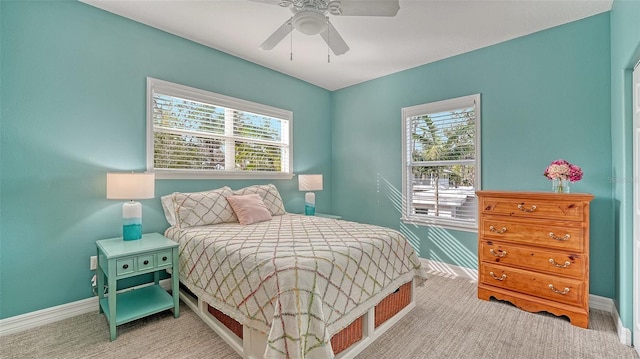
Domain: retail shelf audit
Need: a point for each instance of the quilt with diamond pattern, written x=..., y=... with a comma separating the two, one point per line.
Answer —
x=298, y=279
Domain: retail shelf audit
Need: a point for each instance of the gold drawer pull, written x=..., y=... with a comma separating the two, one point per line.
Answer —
x=528, y=210
x=565, y=265
x=565, y=291
x=504, y=276
x=501, y=255
x=499, y=231
x=566, y=237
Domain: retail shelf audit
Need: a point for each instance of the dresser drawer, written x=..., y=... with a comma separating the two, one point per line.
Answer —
x=532, y=208
x=551, y=234
x=563, y=290
x=553, y=262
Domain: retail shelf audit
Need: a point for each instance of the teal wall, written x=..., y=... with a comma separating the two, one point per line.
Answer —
x=73, y=108
x=625, y=52
x=544, y=96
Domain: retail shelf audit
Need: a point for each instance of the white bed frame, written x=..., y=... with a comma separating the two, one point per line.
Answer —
x=254, y=343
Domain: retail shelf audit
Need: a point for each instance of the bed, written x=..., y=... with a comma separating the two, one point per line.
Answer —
x=287, y=285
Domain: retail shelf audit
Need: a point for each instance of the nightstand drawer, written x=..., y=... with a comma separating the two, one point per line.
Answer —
x=146, y=262
x=143, y=263
x=164, y=259
x=124, y=266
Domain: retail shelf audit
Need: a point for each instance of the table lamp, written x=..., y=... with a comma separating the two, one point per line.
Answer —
x=131, y=186
x=310, y=183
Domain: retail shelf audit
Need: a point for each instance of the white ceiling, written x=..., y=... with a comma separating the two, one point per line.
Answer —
x=423, y=31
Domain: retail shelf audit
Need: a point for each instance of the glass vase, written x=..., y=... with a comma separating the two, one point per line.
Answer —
x=560, y=185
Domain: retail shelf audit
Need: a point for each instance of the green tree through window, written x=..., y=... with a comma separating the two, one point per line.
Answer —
x=441, y=162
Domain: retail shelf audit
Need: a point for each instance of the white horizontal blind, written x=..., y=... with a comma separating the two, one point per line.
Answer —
x=197, y=132
x=441, y=143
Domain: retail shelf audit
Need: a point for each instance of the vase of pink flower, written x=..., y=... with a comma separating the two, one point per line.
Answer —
x=562, y=173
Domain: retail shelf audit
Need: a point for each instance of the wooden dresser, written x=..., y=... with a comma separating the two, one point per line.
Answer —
x=533, y=251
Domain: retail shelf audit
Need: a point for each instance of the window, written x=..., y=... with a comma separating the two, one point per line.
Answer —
x=193, y=133
x=441, y=162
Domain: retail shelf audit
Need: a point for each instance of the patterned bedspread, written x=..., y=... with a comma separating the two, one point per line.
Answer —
x=299, y=279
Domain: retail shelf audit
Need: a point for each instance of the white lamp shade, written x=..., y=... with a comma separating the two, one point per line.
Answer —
x=310, y=182
x=130, y=185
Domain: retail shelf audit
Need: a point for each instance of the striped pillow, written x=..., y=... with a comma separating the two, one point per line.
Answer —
x=269, y=194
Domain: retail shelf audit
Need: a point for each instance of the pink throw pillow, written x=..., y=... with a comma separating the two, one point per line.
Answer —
x=249, y=208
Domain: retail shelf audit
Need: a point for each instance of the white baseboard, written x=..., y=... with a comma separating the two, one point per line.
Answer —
x=45, y=316
x=607, y=305
x=624, y=334
x=448, y=270
x=50, y=315
x=595, y=301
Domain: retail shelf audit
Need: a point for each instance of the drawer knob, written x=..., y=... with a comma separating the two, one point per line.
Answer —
x=146, y=262
x=565, y=265
x=502, y=254
x=499, y=231
x=493, y=275
x=125, y=266
x=164, y=258
x=528, y=210
x=566, y=237
x=553, y=289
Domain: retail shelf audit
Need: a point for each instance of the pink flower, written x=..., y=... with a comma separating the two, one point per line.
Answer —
x=575, y=173
x=562, y=169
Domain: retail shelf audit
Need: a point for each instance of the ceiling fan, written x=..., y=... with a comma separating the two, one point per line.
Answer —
x=311, y=17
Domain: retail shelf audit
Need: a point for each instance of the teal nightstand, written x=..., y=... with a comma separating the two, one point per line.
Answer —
x=119, y=259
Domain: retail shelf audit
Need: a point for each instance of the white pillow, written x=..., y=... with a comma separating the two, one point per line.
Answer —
x=203, y=208
x=270, y=197
x=169, y=210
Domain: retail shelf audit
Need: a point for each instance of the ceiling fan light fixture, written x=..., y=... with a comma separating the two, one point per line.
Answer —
x=309, y=22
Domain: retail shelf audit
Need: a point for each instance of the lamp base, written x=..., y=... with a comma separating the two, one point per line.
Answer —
x=309, y=210
x=131, y=221
x=310, y=204
x=131, y=232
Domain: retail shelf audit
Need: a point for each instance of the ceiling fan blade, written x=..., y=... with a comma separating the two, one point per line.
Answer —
x=369, y=7
x=277, y=36
x=334, y=40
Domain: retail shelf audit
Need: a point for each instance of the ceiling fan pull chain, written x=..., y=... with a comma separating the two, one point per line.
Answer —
x=291, y=43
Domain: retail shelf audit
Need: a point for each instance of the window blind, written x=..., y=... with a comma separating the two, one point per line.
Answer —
x=196, y=134
x=441, y=162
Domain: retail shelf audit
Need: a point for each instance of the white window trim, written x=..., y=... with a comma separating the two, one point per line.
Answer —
x=435, y=107
x=177, y=90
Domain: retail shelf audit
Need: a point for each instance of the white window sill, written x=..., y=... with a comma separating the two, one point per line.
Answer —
x=160, y=174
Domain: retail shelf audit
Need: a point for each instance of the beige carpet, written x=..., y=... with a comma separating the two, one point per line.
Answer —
x=448, y=322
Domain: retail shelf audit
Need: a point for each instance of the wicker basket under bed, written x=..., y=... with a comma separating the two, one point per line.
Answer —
x=231, y=324
x=392, y=304
x=350, y=335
